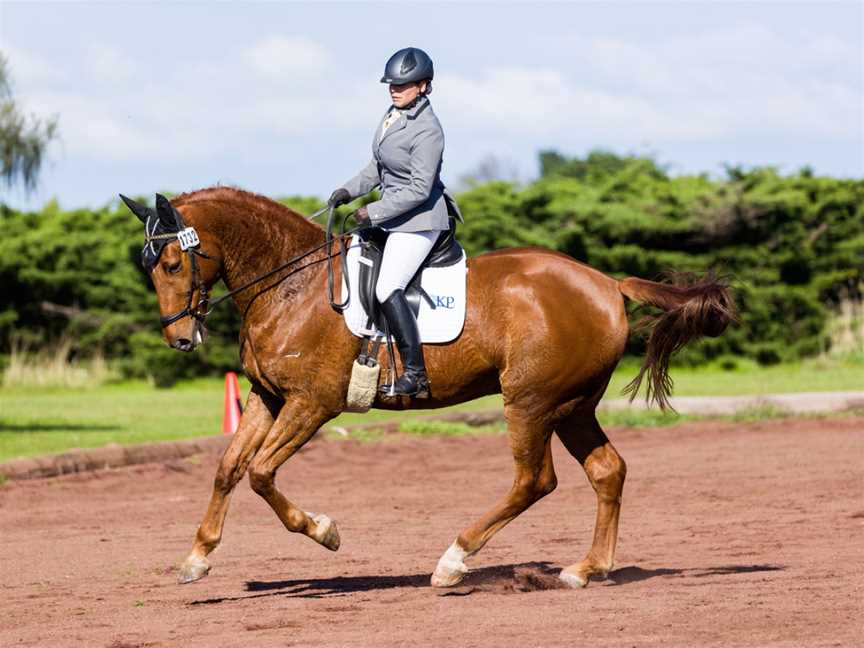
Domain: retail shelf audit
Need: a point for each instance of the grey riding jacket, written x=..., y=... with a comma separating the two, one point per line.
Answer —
x=406, y=163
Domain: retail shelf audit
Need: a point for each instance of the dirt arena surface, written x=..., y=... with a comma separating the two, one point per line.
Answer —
x=731, y=535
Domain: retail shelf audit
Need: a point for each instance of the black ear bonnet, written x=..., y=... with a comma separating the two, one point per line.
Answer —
x=159, y=226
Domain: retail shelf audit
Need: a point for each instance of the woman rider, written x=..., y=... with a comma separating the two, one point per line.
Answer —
x=414, y=206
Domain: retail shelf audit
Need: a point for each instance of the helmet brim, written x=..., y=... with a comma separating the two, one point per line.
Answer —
x=386, y=79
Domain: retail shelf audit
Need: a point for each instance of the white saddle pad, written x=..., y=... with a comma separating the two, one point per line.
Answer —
x=446, y=287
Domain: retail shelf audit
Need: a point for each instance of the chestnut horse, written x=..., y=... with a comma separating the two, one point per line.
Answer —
x=541, y=329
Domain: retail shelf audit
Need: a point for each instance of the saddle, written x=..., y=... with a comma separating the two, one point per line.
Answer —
x=446, y=252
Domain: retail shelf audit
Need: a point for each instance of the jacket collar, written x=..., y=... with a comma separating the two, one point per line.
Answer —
x=412, y=113
x=421, y=104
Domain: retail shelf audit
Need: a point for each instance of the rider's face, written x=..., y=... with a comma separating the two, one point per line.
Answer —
x=402, y=95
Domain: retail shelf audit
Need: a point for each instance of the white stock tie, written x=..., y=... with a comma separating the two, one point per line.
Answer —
x=389, y=120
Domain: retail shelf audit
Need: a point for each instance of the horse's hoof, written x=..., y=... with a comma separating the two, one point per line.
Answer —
x=573, y=579
x=326, y=532
x=451, y=568
x=447, y=578
x=194, y=568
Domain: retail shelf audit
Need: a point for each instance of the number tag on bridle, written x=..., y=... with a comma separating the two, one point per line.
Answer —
x=188, y=238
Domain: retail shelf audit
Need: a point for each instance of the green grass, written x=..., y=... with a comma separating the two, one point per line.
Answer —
x=642, y=418
x=449, y=428
x=41, y=421
x=35, y=422
x=823, y=374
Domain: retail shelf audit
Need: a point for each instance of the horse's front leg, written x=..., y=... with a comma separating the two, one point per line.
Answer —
x=296, y=424
x=257, y=419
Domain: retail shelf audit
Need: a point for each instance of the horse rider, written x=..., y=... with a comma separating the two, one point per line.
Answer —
x=414, y=207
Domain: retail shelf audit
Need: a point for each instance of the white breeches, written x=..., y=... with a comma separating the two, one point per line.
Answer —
x=403, y=254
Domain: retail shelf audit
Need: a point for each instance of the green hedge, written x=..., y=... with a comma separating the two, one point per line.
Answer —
x=793, y=246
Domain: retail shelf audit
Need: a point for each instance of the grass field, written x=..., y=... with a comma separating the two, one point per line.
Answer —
x=40, y=421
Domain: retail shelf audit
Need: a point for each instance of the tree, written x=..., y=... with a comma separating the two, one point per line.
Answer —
x=596, y=166
x=24, y=139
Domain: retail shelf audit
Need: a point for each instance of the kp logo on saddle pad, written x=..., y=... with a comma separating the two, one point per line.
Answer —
x=445, y=287
x=444, y=301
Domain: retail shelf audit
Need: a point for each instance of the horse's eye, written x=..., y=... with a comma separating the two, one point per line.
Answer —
x=175, y=268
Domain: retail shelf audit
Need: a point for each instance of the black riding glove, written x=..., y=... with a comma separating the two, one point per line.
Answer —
x=339, y=197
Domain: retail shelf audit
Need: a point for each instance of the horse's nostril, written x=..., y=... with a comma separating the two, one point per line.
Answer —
x=183, y=344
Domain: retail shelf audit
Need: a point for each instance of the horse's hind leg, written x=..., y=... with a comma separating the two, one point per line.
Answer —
x=254, y=425
x=296, y=424
x=535, y=478
x=583, y=437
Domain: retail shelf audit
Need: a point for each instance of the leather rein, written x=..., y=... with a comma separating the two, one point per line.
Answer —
x=204, y=307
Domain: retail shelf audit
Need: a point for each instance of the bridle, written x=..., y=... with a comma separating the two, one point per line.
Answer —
x=199, y=312
x=190, y=243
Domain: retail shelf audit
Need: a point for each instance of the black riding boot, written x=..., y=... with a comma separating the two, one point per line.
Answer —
x=403, y=327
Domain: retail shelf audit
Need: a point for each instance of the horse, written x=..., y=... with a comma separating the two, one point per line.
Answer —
x=542, y=329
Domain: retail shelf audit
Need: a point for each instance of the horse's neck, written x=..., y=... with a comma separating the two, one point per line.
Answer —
x=254, y=243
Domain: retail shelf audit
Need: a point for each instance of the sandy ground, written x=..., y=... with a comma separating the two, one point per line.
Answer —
x=731, y=535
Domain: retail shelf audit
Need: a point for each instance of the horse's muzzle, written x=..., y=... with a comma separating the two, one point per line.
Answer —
x=183, y=344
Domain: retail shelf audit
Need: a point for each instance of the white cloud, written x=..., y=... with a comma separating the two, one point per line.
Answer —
x=108, y=64
x=91, y=127
x=27, y=66
x=285, y=59
x=725, y=83
x=729, y=83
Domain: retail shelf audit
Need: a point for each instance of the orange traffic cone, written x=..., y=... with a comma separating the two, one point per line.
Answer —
x=232, y=409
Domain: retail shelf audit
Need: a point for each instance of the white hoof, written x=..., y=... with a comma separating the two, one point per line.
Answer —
x=326, y=532
x=451, y=568
x=573, y=580
x=194, y=568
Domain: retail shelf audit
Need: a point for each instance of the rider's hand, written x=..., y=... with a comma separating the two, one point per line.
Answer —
x=339, y=197
x=362, y=217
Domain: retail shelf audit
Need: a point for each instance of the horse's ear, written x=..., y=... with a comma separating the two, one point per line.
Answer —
x=169, y=216
x=141, y=211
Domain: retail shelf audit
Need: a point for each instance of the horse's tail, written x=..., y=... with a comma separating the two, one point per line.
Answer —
x=694, y=306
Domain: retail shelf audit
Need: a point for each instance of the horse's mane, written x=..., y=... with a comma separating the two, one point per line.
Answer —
x=233, y=195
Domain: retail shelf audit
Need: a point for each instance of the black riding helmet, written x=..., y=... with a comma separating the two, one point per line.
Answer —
x=409, y=65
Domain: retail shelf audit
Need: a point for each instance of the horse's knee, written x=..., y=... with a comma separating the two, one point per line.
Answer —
x=224, y=481
x=261, y=481
x=229, y=472
x=529, y=489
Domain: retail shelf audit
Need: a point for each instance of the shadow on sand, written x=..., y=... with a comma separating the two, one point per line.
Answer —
x=501, y=579
x=627, y=575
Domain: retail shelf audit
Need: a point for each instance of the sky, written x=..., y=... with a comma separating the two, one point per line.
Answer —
x=283, y=98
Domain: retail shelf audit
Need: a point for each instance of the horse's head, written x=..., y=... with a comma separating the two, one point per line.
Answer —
x=180, y=270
